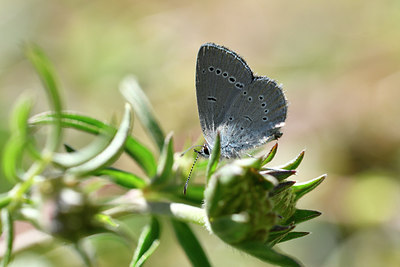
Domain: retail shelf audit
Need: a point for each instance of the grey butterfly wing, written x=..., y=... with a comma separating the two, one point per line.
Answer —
x=220, y=77
x=255, y=117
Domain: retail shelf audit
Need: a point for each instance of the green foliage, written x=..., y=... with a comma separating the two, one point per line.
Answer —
x=13, y=150
x=214, y=158
x=132, y=92
x=190, y=244
x=148, y=242
x=246, y=204
x=46, y=73
x=8, y=230
x=165, y=162
x=138, y=152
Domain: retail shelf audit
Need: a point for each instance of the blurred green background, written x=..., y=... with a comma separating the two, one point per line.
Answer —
x=339, y=63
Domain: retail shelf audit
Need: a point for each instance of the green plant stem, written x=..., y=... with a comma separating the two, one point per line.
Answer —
x=81, y=251
x=20, y=189
x=140, y=205
x=8, y=230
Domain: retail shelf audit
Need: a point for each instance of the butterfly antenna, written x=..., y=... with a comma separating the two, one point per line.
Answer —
x=184, y=152
x=190, y=174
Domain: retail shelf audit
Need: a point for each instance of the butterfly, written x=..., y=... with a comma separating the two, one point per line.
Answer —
x=247, y=110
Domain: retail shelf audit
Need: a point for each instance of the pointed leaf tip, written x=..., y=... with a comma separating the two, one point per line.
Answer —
x=301, y=189
x=293, y=235
x=165, y=161
x=270, y=156
x=292, y=165
x=134, y=94
x=301, y=216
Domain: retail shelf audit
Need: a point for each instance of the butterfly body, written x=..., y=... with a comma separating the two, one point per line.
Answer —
x=247, y=111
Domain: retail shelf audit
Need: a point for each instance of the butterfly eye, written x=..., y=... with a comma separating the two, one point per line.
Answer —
x=205, y=150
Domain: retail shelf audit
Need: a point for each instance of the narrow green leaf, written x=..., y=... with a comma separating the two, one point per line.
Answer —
x=165, y=162
x=20, y=116
x=133, y=148
x=280, y=229
x=300, y=189
x=122, y=178
x=293, y=235
x=267, y=254
x=148, y=242
x=113, y=150
x=8, y=231
x=279, y=174
x=141, y=155
x=292, y=165
x=193, y=196
x=300, y=216
x=73, y=120
x=46, y=73
x=68, y=120
x=276, y=236
x=78, y=157
x=14, y=148
x=12, y=156
x=214, y=158
x=270, y=156
x=132, y=92
x=190, y=244
x=106, y=220
x=5, y=199
x=281, y=187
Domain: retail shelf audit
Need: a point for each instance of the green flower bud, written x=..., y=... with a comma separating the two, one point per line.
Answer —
x=252, y=207
x=65, y=211
x=244, y=205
